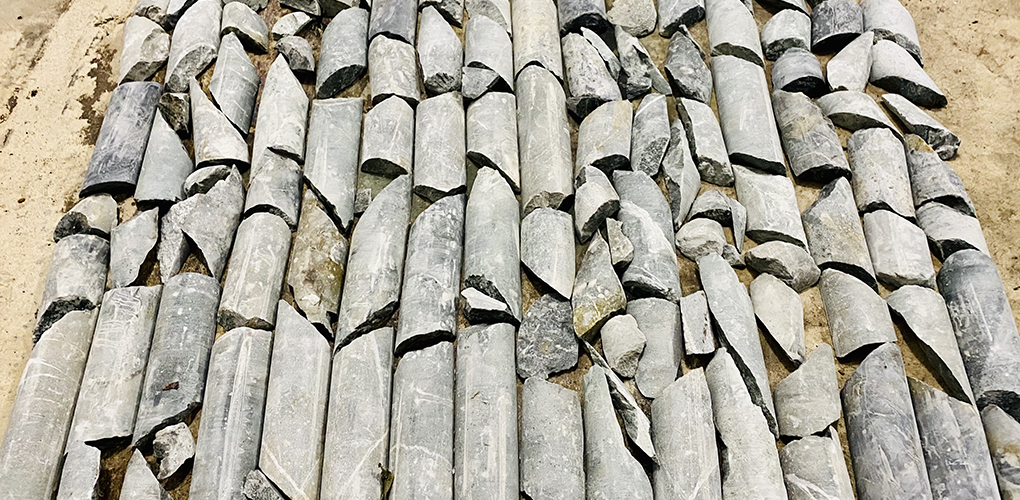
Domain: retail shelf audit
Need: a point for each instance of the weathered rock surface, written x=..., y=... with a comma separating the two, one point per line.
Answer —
x=786, y=261
x=216, y=140
x=653, y=272
x=258, y=487
x=603, y=138
x=745, y=111
x=809, y=139
x=120, y=146
x=247, y=25
x=258, y=262
x=588, y=78
x=492, y=241
x=146, y=47
x=807, y=400
x=895, y=70
x=492, y=135
x=595, y=199
x=165, y=166
x=235, y=83
x=290, y=24
x=780, y=313
x=152, y=9
x=546, y=343
x=75, y=281
x=931, y=179
x=194, y=45
x=700, y=237
x=1003, y=434
x=387, y=145
x=552, y=441
x=173, y=446
x=798, y=70
x=834, y=23
x=331, y=155
x=95, y=215
x=835, y=233
x=139, y=483
x=854, y=110
x=393, y=70
x=881, y=179
x=787, y=29
x=315, y=274
x=659, y=365
x=898, y=250
x=620, y=248
x=732, y=32
x=858, y=317
x=699, y=335
x=636, y=17
x=850, y=68
x=623, y=342
x=597, y=293
x=949, y=230
x=685, y=441
x=343, y=55
x=610, y=470
x=649, y=134
x=916, y=121
x=440, y=168
x=771, y=204
x=675, y=15
x=440, y=53
x=544, y=139
x=814, y=467
x=706, y=141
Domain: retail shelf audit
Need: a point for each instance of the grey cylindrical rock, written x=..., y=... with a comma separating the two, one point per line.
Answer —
x=809, y=139
x=780, y=312
x=546, y=342
x=898, y=250
x=497, y=10
x=835, y=233
x=79, y=476
x=575, y=14
x=275, y=187
x=644, y=192
x=881, y=179
x=675, y=15
x=396, y=19
x=216, y=140
x=452, y=10
x=164, y=167
x=440, y=167
x=659, y=365
x=246, y=24
x=235, y=83
x=807, y=400
x=622, y=342
x=257, y=265
x=440, y=53
x=889, y=20
x=315, y=273
x=834, y=23
x=708, y=147
x=948, y=230
x=788, y=262
x=771, y=204
x=649, y=134
x=331, y=155
x=492, y=240
x=732, y=31
x=544, y=141
x=75, y=281
x=610, y=470
x=814, y=467
x=547, y=248
x=282, y=119
x=594, y=201
x=193, y=46
x=895, y=70
x=639, y=73
x=139, y=482
x=536, y=37
x=636, y=424
x=683, y=181
x=854, y=110
x=343, y=56
x=745, y=113
x=492, y=135
x=96, y=215
x=787, y=29
x=120, y=147
x=857, y=315
x=552, y=441
x=603, y=138
x=393, y=70
x=798, y=70
x=850, y=68
x=685, y=441
x=1003, y=433
x=931, y=179
x=653, y=272
x=387, y=144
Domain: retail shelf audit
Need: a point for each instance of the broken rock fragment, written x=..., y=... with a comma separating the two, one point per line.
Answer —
x=649, y=134
x=813, y=466
x=635, y=423
x=653, y=272
x=343, y=54
x=216, y=139
x=575, y=15
x=642, y=191
x=854, y=110
x=594, y=200
x=165, y=166
x=881, y=179
x=798, y=70
x=685, y=440
x=588, y=78
x=331, y=156
x=858, y=317
x=708, y=147
x=677, y=15
x=298, y=53
x=850, y=68
x=451, y=10
x=497, y=10
x=257, y=265
x=597, y=293
x=898, y=250
x=620, y=247
x=79, y=475
x=699, y=335
x=546, y=343
x=552, y=440
x=75, y=281
x=745, y=112
x=393, y=70
x=194, y=45
x=786, y=261
x=1003, y=433
x=387, y=145
x=283, y=115
x=480, y=308
x=916, y=121
x=173, y=447
x=395, y=19
x=315, y=274
x=931, y=179
x=781, y=314
x=139, y=483
x=290, y=24
x=700, y=237
x=732, y=32
x=771, y=204
x=948, y=230
x=247, y=25
x=492, y=135
x=152, y=9
x=659, y=365
x=95, y=215
x=488, y=58
x=603, y=138
x=834, y=23
x=639, y=74
x=895, y=70
x=807, y=400
x=120, y=147
x=610, y=469
x=636, y=17
x=544, y=139
x=146, y=47
x=835, y=233
x=439, y=147
x=537, y=39
x=492, y=241
x=787, y=29
x=440, y=53
x=809, y=139
x=275, y=187
x=623, y=342
x=547, y=248
x=889, y=20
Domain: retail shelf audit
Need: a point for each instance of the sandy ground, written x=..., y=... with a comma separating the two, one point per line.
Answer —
x=58, y=62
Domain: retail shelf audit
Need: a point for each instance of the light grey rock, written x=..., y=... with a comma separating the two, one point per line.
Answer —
x=653, y=272
x=659, y=365
x=311, y=7
x=75, y=281
x=546, y=343
x=120, y=146
x=33, y=445
x=854, y=110
x=588, y=77
x=155, y=10
x=575, y=15
x=485, y=418
x=387, y=144
x=357, y=419
x=880, y=176
x=362, y=200
x=395, y=19
x=282, y=119
x=984, y=327
x=536, y=38
x=104, y=414
x=183, y=337
x=699, y=335
x=331, y=156
x=750, y=461
x=1003, y=434
x=79, y=476
x=814, y=467
x=706, y=141
x=880, y=423
x=858, y=317
x=95, y=215
x=889, y=20
x=712, y=204
x=428, y=311
x=732, y=257
x=258, y=487
x=594, y=201
x=440, y=53
x=376, y=263
x=949, y=230
x=610, y=59
x=916, y=121
x=834, y=23
x=597, y=293
x=290, y=24
x=771, y=204
x=298, y=53
x=295, y=414
x=675, y=15
x=636, y=17
x=649, y=134
x=247, y=25
x=552, y=440
x=798, y=70
x=787, y=29
x=809, y=139
x=235, y=83
x=786, y=261
x=492, y=135
x=547, y=248
x=733, y=316
x=315, y=273
x=492, y=241
x=639, y=74
x=700, y=237
x=193, y=47
x=497, y=10
x=835, y=233
x=175, y=9
x=481, y=308
x=393, y=70
x=850, y=68
x=343, y=54
x=931, y=179
x=216, y=140
x=685, y=440
x=275, y=187
x=895, y=70
x=421, y=425
x=807, y=400
x=451, y=10
x=621, y=249
x=745, y=112
x=488, y=58
x=440, y=168
x=543, y=133
x=635, y=423
x=898, y=249
x=258, y=263
x=610, y=470
x=925, y=314
x=732, y=32
x=165, y=166
x=146, y=47
x=229, y=435
x=623, y=342
x=604, y=138
x=139, y=483
x=642, y=191
x=173, y=447
x=780, y=313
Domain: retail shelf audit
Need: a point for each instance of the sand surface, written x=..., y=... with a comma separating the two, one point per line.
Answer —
x=58, y=63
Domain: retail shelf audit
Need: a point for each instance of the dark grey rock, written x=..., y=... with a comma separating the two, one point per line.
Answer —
x=343, y=55
x=387, y=144
x=492, y=241
x=642, y=191
x=235, y=83
x=604, y=138
x=745, y=113
x=659, y=365
x=176, y=372
x=395, y=19
x=216, y=140
x=895, y=70
x=258, y=487
x=547, y=248
x=546, y=343
x=95, y=215
x=880, y=177
x=949, y=230
x=1003, y=434
x=653, y=272
x=497, y=10
x=685, y=440
x=33, y=445
x=814, y=467
x=834, y=23
x=850, y=68
x=747, y=454
x=771, y=204
x=700, y=237
x=544, y=139
x=807, y=400
x=898, y=250
x=440, y=168
x=577, y=14
x=451, y=10
x=536, y=37
x=675, y=15
x=699, y=335
x=636, y=17
x=492, y=135
x=362, y=200
x=139, y=483
x=931, y=179
x=787, y=29
x=282, y=119
x=623, y=342
x=885, y=448
x=706, y=140
x=165, y=166
x=481, y=308
x=984, y=327
x=649, y=134
x=682, y=179
x=858, y=317
x=120, y=147
x=298, y=53
x=173, y=446
x=440, y=53
x=194, y=45
x=428, y=311
x=732, y=32
x=290, y=24
x=635, y=423
x=798, y=70
x=421, y=424
x=393, y=70
x=889, y=20
x=610, y=470
x=331, y=156
x=336, y=7
x=152, y=9
x=146, y=47
x=594, y=200
x=75, y=281
x=597, y=293
x=552, y=440
x=809, y=139
x=639, y=74
x=258, y=262
x=732, y=257
x=311, y=7
x=315, y=274
x=588, y=78
x=836, y=235
x=916, y=121
x=229, y=435
x=79, y=475
x=376, y=263
x=786, y=261
x=854, y=110
x=247, y=25
x=780, y=313
x=799, y=5
x=175, y=9
x=488, y=46
x=275, y=187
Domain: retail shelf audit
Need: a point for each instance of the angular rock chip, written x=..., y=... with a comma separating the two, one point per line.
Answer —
x=984, y=327
x=497, y=10
x=357, y=422
x=643, y=191
x=745, y=113
x=798, y=70
x=33, y=445
x=850, y=68
x=295, y=415
x=809, y=139
x=173, y=447
x=361, y=201
x=594, y=200
x=258, y=487
x=931, y=179
x=216, y=139
x=343, y=55
x=635, y=423
x=290, y=24
x=610, y=469
x=120, y=147
x=537, y=39
x=895, y=70
x=700, y=237
x=229, y=434
x=706, y=140
x=712, y=204
x=492, y=135
x=387, y=145
x=786, y=261
x=376, y=263
x=492, y=241
x=653, y=272
x=451, y=10
x=421, y=424
x=298, y=53
x=916, y=121
x=275, y=187
x=620, y=247
x=588, y=77
x=139, y=483
x=597, y=293
x=636, y=17
x=1003, y=434
x=480, y=308
x=331, y=156
x=183, y=337
x=854, y=110
x=315, y=274
x=787, y=29
x=432, y=276
x=95, y=215
x=440, y=168
x=834, y=23
x=638, y=74
x=258, y=262
x=577, y=14
x=898, y=250
x=393, y=70
x=659, y=365
x=677, y=15
x=440, y=53
x=146, y=47
x=623, y=342
x=75, y=281
x=612, y=62
x=544, y=140
x=814, y=467
x=780, y=313
x=485, y=418
x=685, y=440
x=165, y=166
x=247, y=25
x=949, y=230
x=235, y=83
x=546, y=343
x=649, y=135
x=835, y=233
x=283, y=115
x=79, y=476
x=885, y=448
x=311, y=7
x=732, y=32
x=552, y=440
x=104, y=414
x=858, y=317
x=880, y=176
x=603, y=138
x=193, y=47
x=699, y=335
x=750, y=461
x=397, y=19
x=807, y=400
x=772, y=212
x=152, y=9
x=733, y=317
x=547, y=248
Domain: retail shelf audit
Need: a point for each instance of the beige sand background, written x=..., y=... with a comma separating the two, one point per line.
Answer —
x=58, y=63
